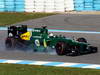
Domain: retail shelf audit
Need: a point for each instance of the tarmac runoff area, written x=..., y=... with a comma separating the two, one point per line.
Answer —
x=92, y=39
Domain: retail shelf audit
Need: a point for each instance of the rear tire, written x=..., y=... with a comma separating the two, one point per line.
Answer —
x=10, y=43
x=60, y=48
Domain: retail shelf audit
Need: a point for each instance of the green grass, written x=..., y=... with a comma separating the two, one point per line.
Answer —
x=11, y=18
x=15, y=69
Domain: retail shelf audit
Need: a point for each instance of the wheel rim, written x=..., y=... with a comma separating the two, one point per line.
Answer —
x=60, y=48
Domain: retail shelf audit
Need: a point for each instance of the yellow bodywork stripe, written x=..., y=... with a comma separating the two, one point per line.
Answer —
x=44, y=42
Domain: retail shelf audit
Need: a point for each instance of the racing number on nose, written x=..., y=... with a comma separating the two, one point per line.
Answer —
x=37, y=42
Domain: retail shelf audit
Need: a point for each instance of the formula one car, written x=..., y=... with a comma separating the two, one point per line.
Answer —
x=40, y=39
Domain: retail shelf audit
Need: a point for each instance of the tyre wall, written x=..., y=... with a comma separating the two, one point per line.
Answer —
x=87, y=5
x=48, y=5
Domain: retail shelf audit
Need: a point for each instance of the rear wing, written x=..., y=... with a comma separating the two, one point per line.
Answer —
x=14, y=31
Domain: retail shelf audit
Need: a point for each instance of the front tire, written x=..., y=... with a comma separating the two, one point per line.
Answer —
x=82, y=40
x=93, y=49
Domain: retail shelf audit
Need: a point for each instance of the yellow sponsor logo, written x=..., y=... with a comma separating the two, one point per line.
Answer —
x=26, y=36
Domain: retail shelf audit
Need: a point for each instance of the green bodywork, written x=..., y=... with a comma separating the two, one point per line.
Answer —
x=42, y=35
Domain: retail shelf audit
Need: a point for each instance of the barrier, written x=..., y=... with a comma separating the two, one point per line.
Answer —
x=29, y=5
x=2, y=10
x=88, y=9
x=19, y=10
x=97, y=5
x=39, y=7
x=97, y=8
x=87, y=5
x=2, y=6
x=9, y=5
x=49, y=5
x=19, y=5
x=1, y=0
x=79, y=9
x=96, y=2
x=79, y=5
x=29, y=10
x=69, y=5
x=88, y=0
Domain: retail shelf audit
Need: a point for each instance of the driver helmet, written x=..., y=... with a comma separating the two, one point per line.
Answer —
x=51, y=34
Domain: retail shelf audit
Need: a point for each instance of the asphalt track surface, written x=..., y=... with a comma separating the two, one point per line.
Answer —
x=63, y=21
